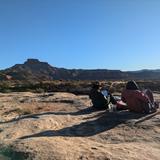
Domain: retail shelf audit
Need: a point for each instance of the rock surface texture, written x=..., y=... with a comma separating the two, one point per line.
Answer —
x=63, y=126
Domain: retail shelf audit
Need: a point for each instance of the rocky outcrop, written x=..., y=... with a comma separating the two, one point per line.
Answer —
x=63, y=126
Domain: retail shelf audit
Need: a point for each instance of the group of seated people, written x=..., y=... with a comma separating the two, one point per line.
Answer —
x=132, y=99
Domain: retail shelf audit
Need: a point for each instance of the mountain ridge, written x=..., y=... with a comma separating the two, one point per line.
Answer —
x=33, y=69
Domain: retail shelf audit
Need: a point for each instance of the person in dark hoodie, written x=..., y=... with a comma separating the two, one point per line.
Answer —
x=138, y=101
x=99, y=100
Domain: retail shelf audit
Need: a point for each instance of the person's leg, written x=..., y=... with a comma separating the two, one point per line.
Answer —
x=149, y=95
x=112, y=99
x=151, y=106
x=146, y=108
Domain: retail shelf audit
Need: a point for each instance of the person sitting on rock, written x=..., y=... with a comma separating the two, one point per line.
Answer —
x=138, y=101
x=100, y=100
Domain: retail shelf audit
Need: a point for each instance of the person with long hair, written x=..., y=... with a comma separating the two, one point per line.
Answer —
x=138, y=101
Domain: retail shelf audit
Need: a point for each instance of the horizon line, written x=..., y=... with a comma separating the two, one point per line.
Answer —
x=136, y=70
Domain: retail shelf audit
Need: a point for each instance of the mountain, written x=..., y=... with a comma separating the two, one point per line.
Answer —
x=35, y=70
x=31, y=69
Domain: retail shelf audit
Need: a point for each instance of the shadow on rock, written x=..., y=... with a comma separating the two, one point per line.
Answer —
x=105, y=121
x=36, y=116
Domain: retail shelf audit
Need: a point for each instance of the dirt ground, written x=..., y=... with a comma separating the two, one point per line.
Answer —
x=63, y=126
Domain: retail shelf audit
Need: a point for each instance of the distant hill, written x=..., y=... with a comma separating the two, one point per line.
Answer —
x=35, y=70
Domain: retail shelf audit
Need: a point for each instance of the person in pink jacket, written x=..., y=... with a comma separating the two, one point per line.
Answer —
x=138, y=101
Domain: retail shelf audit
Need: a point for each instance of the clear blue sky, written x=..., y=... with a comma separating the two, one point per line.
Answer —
x=91, y=34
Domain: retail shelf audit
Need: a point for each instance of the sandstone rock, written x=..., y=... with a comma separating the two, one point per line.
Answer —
x=58, y=130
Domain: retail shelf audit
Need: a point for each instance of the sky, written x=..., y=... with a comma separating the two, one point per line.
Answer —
x=82, y=34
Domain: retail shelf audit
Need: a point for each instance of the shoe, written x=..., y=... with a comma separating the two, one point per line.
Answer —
x=156, y=105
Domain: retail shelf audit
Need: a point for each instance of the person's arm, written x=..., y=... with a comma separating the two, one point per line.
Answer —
x=141, y=96
x=112, y=99
x=100, y=95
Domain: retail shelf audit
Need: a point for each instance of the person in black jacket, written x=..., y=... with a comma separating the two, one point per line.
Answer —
x=100, y=101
